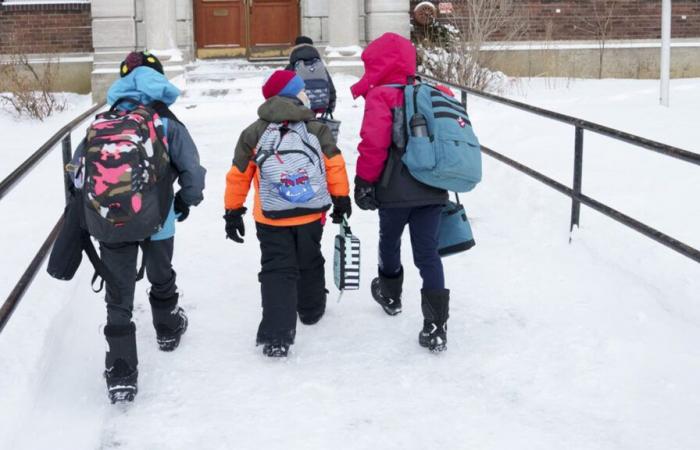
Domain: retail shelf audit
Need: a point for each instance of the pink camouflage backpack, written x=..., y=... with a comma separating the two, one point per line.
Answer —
x=127, y=192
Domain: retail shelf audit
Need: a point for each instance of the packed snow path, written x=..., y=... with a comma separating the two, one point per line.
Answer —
x=588, y=345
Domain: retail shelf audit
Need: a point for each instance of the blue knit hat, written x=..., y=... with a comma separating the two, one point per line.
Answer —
x=293, y=88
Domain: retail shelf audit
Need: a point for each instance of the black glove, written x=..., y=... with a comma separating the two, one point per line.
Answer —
x=342, y=206
x=365, y=196
x=234, y=224
x=181, y=208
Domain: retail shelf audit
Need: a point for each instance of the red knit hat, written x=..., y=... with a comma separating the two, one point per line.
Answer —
x=277, y=83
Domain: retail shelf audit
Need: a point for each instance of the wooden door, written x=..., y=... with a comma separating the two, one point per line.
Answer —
x=220, y=28
x=273, y=26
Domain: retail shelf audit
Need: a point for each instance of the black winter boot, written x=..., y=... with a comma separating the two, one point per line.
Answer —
x=277, y=345
x=121, y=363
x=387, y=292
x=169, y=321
x=435, y=305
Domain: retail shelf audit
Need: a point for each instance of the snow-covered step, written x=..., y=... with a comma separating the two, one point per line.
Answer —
x=227, y=70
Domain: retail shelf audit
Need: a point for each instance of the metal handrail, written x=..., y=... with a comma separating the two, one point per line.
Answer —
x=577, y=197
x=16, y=176
x=665, y=149
x=64, y=137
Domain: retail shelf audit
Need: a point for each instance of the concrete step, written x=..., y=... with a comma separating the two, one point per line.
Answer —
x=228, y=70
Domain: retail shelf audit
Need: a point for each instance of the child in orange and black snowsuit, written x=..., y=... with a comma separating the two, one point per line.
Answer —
x=298, y=172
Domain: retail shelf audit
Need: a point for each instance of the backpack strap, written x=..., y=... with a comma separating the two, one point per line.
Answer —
x=144, y=249
x=123, y=100
x=164, y=112
x=101, y=271
x=304, y=141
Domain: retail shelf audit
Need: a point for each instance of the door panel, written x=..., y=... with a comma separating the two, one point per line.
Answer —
x=259, y=28
x=220, y=26
x=274, y=24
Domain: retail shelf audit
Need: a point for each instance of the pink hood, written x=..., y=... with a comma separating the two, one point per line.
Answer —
x=389, y=59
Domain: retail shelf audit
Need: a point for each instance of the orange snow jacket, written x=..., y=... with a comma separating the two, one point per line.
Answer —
x=244, y=170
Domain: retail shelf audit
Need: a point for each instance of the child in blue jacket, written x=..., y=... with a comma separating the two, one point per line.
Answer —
x=143, y=82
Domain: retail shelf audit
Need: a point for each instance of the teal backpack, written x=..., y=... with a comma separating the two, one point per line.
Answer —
x=442, y=149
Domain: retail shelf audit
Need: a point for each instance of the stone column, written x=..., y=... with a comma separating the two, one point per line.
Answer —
x=388, y=15
x=161, y=30
x=343, y=23
x=113, y=37
x=343, y=51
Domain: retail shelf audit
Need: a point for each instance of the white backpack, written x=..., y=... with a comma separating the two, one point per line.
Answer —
x=292, y=172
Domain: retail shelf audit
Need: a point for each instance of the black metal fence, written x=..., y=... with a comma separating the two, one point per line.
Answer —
x=64, y=137
x=574, y=192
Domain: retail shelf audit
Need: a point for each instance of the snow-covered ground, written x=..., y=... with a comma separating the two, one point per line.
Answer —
x=588, y=345
x=22, y=136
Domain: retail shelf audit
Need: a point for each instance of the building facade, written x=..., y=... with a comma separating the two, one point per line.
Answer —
x=90, y=37
x=181, y=30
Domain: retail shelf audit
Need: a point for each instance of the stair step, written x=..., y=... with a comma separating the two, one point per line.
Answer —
x=227, y=70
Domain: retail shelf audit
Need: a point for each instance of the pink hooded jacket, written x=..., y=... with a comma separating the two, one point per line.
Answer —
x=389, y=59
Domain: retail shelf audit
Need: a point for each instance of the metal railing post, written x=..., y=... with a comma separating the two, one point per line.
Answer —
x=578, y=174
x=464, y=98
x=67, y=156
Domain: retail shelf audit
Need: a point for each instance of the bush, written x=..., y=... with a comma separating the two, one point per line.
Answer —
x=29, y=93
x=452, y=48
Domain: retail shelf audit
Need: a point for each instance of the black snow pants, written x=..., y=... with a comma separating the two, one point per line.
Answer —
x=292, y=278
x=121, y=259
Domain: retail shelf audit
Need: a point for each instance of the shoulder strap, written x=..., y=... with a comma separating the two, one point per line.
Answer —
x=164, y=112
x=101, y=271
x=123, y=100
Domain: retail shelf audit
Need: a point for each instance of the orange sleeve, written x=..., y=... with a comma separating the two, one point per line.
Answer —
x=337, y=177
x=237, y=186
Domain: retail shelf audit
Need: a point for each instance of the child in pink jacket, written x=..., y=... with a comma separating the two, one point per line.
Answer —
x=383, y=183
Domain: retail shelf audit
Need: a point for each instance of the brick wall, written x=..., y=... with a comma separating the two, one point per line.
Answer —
x=577, y=19
x=59, y=28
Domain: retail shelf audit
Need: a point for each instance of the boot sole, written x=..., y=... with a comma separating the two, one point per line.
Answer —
x=122, y=394
x=276, y=353
x=432, y=346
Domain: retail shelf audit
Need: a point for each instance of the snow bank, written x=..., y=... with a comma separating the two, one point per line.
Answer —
x=22, y=137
